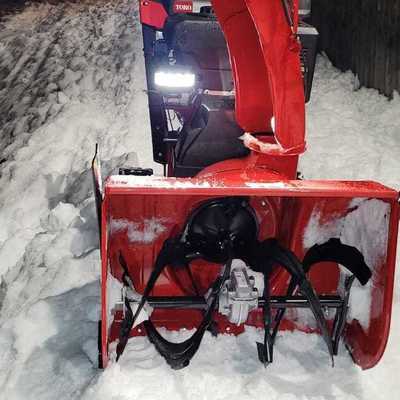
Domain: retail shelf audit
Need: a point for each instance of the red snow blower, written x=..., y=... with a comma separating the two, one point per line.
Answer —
x=231, y=237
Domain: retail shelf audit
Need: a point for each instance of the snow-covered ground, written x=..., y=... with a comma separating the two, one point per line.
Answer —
x=70, y=76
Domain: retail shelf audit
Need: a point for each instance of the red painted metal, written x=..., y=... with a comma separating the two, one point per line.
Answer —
x=283, y=208
x=247, y=183
x=255, y=164
x=265, y=58
x=182, y=6
x=254, y=108
x=375, y=340
x=104, y=274
x=152, y=13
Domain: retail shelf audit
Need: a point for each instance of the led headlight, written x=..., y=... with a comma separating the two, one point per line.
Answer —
x=174, y=79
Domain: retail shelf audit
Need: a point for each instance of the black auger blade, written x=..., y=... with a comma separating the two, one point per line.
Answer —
x=178, y=355
x=266, y=350
x=269, y=252
x=167, y=255
x=126, y=327
x=333, y=251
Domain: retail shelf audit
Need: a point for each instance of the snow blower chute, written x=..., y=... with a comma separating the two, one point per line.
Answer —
x=231, y=236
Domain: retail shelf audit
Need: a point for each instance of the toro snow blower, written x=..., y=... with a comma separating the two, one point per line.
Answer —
x=230, y=236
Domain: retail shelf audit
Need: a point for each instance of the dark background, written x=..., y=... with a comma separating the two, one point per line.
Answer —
x=364, y=36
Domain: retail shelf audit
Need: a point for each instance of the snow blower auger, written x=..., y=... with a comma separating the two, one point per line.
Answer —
x=231, y=237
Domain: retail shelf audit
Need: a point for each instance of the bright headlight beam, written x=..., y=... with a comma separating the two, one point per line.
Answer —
x=174, y=79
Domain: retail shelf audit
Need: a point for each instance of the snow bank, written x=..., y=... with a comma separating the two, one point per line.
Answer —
x=69, y=78
x=351, y=133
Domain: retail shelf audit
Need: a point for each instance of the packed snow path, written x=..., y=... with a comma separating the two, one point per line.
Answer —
x=70, y=76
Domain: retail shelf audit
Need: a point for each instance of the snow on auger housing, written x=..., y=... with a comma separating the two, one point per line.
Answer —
x=231, y=236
